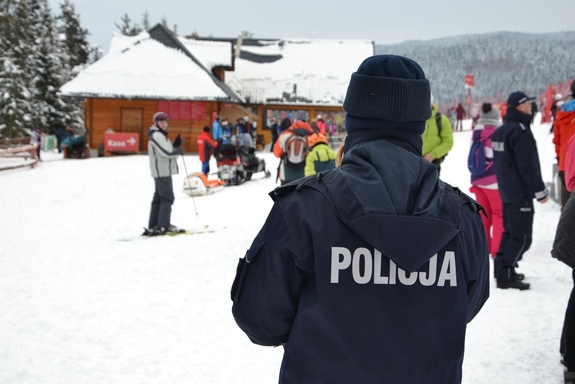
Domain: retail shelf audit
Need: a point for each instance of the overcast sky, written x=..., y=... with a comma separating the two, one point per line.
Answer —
x=383, y=21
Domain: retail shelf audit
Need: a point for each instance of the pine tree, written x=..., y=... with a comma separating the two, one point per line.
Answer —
x=146, y=21
x=15, y=53
x=51, y=70
x=75, y=36
x=127, y=28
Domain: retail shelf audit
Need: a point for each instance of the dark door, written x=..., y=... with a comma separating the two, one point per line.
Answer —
x=132, y=121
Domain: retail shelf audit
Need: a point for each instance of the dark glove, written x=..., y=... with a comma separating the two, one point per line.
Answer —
x=179, y=150
x=178, y=142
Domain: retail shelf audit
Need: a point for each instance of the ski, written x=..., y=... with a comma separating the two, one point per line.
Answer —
x=204, y=229
x=194, y=231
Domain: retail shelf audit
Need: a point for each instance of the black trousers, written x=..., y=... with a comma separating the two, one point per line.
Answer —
x=568, y=335
x=161, y=210
x=516, y=238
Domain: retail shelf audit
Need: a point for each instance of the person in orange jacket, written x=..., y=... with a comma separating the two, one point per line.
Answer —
x=205, y=146
x=563, y=130
x=290, y=149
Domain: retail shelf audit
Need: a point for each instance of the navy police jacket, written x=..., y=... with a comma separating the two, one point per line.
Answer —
x=516, y=160
x=368, y=273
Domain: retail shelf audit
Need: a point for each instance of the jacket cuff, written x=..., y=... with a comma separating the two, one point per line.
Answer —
x=541, y=195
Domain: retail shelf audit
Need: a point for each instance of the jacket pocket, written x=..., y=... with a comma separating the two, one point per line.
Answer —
x=241, y=269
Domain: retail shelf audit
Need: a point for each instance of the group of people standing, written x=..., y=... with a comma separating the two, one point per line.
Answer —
x=302, y=148
x=223, y=129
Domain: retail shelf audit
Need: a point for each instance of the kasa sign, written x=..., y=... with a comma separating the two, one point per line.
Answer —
x=125, y=142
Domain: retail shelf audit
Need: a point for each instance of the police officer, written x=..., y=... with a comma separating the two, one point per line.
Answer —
x=357, y=268
x=519, y=177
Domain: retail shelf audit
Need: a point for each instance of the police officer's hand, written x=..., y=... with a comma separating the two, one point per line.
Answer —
x=543, y=201
x=178, y=142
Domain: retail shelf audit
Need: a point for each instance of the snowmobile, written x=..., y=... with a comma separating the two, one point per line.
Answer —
x=237, y=161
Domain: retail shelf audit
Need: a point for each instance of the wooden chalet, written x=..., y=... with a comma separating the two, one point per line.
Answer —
x=148, y=73
x=196, y=79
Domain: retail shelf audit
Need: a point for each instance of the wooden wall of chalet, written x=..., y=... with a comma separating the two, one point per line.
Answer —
x=136, y=116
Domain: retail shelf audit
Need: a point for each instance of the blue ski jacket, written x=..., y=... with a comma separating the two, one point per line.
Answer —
x=368, y=273
x=516, y=160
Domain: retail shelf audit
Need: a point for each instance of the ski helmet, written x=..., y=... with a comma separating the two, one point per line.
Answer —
x=315, y=139
x=159, y=116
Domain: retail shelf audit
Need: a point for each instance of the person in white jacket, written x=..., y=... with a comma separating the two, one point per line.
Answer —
x=163, y=156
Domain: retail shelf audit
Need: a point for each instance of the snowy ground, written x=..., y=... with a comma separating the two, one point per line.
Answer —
x=80, y=304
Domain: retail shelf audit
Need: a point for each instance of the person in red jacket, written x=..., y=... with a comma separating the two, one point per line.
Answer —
x=460, y=112
x=205, y=146
x=563, y=130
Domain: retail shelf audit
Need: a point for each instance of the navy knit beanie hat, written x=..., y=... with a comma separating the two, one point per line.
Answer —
x=387, y=92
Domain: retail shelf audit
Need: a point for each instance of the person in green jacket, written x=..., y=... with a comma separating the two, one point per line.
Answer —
x=321, y=157
x=437, y=138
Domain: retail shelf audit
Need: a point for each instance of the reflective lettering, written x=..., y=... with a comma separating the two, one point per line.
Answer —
x=498, y=146
x=336, y=264
x=448, y=273
x=429, y=280
x=367, y=267
x=359, y=255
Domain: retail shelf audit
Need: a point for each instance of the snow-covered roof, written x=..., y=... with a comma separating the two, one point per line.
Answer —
x=156, y=64
x=120, y=42
x=211, y=54
x=297, y=71
x=140, y=67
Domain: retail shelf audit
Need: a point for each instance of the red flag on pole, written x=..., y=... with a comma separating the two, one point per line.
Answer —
x=469, y=81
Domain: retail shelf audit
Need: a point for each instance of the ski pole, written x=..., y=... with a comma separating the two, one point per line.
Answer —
x=189, y=184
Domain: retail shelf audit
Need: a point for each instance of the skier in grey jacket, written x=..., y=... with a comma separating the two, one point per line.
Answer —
x=163, y=156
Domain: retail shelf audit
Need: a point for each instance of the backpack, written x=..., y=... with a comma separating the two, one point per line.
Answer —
x=439, y=127
x=476, y=158
x=438, y=123
x=297, y=149
x=323, y=166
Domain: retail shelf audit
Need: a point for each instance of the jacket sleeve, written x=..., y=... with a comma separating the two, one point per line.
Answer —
x=557, y=138
x=527, y=159
x=165, y=146
x=267, y=286
x=446, y=139
x=280, y=142
x=570, y=165
x=211, y=144
x=476, y=262
x=310, y=163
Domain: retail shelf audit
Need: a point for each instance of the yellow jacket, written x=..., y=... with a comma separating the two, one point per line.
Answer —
x=318, y=159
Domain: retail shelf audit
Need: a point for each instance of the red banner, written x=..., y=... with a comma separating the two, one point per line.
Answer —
x=183, y=110
x=125, y=142
x=198, y=110
x=164, y=106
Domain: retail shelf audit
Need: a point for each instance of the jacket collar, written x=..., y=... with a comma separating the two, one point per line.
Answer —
x=515, y=115
x=409, y=141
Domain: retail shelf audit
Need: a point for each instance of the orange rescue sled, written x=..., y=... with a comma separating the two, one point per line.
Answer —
x=198, y=184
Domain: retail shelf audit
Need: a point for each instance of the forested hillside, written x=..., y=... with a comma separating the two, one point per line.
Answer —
x=501, y=62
